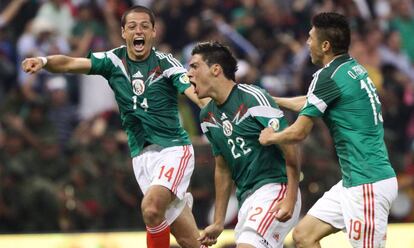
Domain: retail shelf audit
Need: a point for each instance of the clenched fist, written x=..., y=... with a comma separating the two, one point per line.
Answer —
x=32, y=65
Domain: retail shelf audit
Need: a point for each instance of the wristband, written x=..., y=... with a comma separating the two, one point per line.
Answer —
x=44, y=60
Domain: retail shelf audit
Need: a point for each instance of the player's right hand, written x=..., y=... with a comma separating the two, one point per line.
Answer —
x=210, y=234
x=32, y=65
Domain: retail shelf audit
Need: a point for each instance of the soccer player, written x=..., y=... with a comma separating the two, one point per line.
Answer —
x=145, y=82
x=345, y=97
x=266, y=177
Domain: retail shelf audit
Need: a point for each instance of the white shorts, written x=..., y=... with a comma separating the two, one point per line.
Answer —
x=170, y=167
x=259, y=228
x=360, y=211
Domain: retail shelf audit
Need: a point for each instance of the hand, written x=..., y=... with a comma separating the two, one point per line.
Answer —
x=265, y=137
x=283, y=210
x=210, y=234
x=32, y=65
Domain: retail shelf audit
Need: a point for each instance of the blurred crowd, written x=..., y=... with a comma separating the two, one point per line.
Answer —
x=64, y=160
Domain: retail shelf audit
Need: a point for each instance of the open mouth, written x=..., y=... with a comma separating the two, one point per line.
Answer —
x=194, y=85
x=139, y=43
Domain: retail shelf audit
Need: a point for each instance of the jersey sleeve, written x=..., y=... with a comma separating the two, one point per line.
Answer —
x=175, y=71
x=263, y=108
x=101, y=64
x=206, y=123
x=322, y=92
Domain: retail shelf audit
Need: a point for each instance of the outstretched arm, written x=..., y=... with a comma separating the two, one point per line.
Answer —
x=224, y=185
x=292, y=103
x=295, y=133
x=57, y=64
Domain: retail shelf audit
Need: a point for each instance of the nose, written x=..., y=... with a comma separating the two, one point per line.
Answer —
x=189, y=73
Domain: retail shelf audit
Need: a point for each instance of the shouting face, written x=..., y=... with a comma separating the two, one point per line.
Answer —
x=139, y=35
x=200, y=76
x=315, y=47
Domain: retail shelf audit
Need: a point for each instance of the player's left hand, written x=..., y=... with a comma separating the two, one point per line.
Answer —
x=210, y=234
x=283, y=210
x=266, y=135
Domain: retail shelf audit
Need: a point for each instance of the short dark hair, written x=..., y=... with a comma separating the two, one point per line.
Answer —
x=213, y=52
x=138, y=9
x=333, y=27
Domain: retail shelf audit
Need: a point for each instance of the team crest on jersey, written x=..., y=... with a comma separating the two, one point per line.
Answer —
x=138, y=86
x=184, y=79
x=274, y=124
x=227, y=128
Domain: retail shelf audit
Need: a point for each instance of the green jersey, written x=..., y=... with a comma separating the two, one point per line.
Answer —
x=343, y=94
x=233, y=130
x=146, y=93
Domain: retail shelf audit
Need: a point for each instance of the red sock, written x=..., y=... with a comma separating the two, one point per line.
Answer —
x=159, y=236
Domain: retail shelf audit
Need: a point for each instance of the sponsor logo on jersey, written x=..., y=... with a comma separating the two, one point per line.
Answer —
x=137, y=74
x=227, y=128
x=274, y=124
x=223, y=116
x=138, y=86
x=184, y=79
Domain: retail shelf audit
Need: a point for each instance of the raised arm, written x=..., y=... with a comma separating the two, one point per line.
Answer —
x=292, y=103
x=284, y=209
x=223, y=184
x=57, y=64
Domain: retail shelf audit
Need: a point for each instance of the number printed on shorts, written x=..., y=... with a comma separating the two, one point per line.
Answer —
x=168, y=174
x=355, y=229
x=258, y=211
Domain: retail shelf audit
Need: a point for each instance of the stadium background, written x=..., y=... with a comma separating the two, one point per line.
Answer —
x=64, y=163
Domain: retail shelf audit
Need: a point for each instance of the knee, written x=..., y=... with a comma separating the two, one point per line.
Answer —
x=302, y=238
x=152, y=214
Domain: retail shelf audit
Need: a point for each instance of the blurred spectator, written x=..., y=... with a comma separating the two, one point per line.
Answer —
x=40, y=39
x=404, y=23
x=61, y=113
x=60, y=12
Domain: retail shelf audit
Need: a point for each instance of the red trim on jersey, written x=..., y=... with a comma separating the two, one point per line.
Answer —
x=369, y=216
x=181, y=168
x=269, y=217
x=372, y=214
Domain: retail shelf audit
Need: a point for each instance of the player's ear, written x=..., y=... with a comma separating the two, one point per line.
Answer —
x=123, y=32
x=326, y=46
x=154, y=31
x=216, y=69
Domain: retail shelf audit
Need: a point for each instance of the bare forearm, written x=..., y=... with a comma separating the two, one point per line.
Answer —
x=223, y=185
x=292, y=170
x=292, y=103
x=66, y=64
x=291, y=135
x=11, y=10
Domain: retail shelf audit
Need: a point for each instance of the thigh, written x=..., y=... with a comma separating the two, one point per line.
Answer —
x=257, y=225
x=170, y=167
x=185, y=230
x=174, y=169
x=328, y=208
x=366, y=210
x=144, y=166
x=313, y=228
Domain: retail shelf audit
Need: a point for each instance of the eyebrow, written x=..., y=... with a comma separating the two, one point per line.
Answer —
x=192, y=64
x=137, y=22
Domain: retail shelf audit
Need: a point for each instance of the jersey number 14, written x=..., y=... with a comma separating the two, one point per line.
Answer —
x=143, y=104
